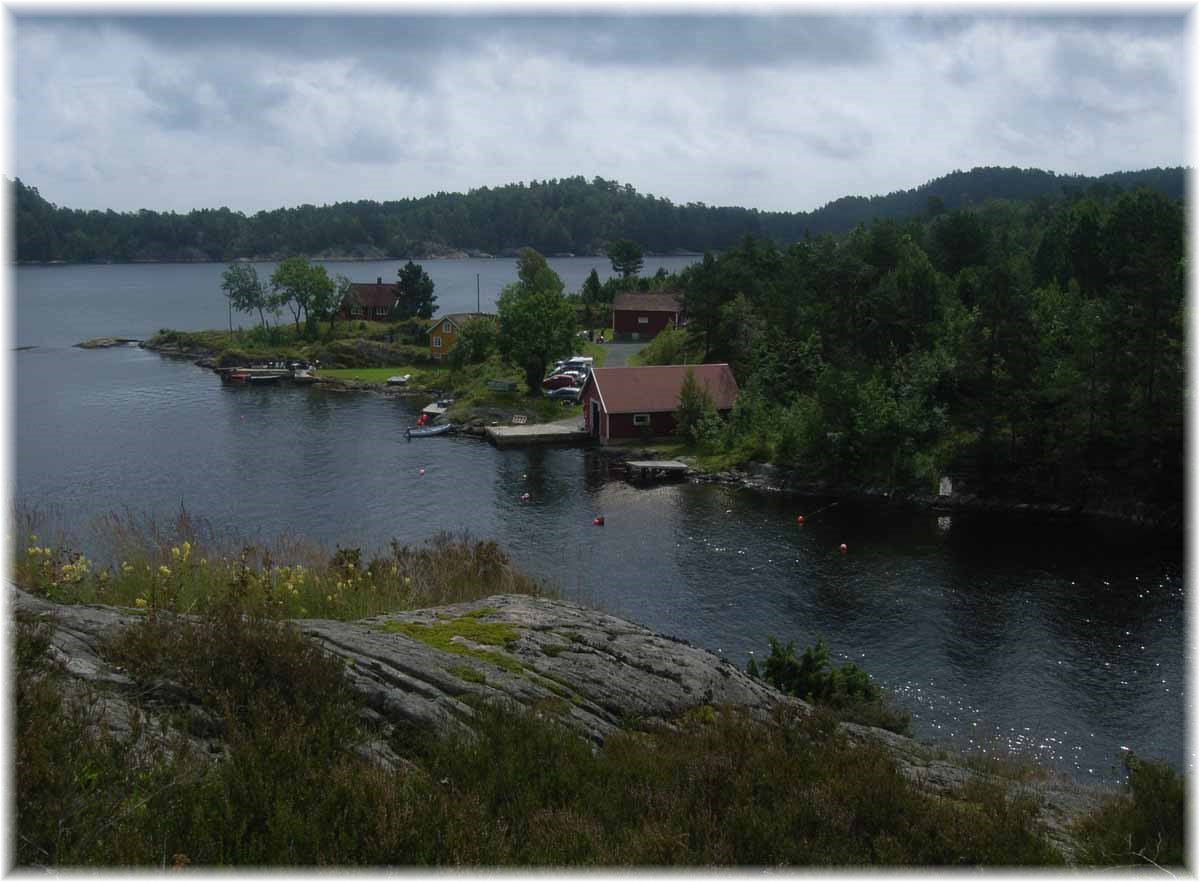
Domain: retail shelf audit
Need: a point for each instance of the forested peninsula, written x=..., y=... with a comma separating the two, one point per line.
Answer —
x=556, y=217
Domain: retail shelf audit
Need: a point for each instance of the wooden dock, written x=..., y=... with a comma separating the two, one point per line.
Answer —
x=655, y=469
x=568, y=431
x=434, y=410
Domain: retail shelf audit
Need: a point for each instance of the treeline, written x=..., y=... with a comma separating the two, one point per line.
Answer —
x=557, y=216
x=1033, y=349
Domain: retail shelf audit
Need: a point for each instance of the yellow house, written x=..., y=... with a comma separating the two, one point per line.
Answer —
x=443, y=333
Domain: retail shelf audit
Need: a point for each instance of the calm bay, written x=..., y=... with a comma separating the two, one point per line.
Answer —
x=1054, y=640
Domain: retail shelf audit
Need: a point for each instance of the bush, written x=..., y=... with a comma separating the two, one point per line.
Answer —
x=1142, y=827
x=847, y=690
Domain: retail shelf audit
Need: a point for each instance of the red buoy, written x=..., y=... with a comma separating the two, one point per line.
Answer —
x=598, y=521
x=799, y=519
x=421, y=472
x=843, y=548
x=524, y=497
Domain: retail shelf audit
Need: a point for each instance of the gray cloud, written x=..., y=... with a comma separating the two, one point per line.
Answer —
x=400, y=43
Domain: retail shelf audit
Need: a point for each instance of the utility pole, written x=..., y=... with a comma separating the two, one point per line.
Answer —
x=478, y=309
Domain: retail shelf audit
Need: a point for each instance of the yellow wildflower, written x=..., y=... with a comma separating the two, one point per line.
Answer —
x=164, y=570
x=174, y=552
x=140, y=603
x=126, y=567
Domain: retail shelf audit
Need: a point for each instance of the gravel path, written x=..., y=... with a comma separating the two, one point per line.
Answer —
x=619, y=352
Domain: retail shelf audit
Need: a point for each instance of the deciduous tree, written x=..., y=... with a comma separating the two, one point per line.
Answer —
x=243, y=289
x=537, y=324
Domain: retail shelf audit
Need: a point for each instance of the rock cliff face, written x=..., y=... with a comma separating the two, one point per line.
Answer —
x=591, y=671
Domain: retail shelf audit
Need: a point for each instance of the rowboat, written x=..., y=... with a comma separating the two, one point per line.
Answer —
x=428, y=431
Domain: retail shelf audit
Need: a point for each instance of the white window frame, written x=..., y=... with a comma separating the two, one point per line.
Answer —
x=356, y=309
x=641, y=419
x=437, y=342
x=643, y=319
x=446, y=326
x=381, y=311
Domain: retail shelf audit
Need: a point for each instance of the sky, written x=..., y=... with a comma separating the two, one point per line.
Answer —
x=782, y=108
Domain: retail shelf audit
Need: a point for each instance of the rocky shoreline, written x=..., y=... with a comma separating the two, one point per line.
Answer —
x=754, y=476
x=590, y=671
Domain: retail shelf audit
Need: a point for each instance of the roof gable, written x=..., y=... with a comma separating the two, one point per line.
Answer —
x=655, y=389
x=458, y=319
x=648, y=301
x=372, y=294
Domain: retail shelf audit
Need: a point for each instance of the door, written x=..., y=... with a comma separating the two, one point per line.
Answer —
x=595, y=418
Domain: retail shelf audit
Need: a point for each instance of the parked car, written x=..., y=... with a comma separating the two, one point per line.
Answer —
x=566, y=393
x=566, y=378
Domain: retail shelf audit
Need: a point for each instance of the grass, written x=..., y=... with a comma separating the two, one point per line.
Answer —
x=183, y=566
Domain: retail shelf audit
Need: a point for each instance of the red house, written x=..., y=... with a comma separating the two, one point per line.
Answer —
x=369, y=302
x=640, y=402
x=640, y=315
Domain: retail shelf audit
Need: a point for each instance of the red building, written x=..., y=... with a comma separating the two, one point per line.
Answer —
x=640, y=315
x=367, y=302
x=640, y=402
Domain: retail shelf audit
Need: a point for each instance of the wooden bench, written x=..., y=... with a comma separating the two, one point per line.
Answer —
x=502, y=385
x=519, y=419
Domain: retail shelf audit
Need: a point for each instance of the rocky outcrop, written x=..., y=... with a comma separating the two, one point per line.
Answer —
x=592, y=672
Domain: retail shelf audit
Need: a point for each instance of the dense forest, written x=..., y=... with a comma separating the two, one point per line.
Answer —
x=1034, y=349
x=571, y=215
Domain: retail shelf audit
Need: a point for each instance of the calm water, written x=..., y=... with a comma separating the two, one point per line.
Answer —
x=1060, y=643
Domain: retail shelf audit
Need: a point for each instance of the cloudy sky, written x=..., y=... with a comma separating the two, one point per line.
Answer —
x=782, y=111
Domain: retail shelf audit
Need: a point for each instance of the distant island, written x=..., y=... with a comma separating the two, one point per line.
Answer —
x=558, y=217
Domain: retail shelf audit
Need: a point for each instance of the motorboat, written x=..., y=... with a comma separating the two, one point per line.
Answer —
x=428, y=431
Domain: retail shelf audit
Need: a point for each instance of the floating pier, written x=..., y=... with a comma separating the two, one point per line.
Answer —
x=570, y=431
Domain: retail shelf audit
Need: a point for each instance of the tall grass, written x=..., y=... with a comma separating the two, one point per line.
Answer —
x=185, y=564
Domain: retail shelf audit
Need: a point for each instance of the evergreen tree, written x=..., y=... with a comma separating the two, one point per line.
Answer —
x=414, y=291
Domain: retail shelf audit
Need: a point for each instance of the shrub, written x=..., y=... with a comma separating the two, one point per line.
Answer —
x=1143, y=826
x=848, y=690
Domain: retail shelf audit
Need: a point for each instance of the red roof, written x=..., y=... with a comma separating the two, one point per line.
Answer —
x=655, y=389
x=646, y=301
x=374, y=294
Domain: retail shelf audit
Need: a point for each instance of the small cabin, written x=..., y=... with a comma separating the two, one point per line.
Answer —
x=640, y=315
x=443, y=332
x=640, y=402
x=367, y=302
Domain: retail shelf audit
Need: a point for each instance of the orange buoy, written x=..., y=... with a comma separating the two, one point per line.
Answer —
x=843, y=548
x=799, y=519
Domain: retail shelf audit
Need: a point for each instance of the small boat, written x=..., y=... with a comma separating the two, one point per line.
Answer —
x=428, y=431
x=303, y=376
x=261, y=379
x=401, y=380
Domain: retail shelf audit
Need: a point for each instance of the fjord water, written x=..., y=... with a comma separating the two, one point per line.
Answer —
x=1056, y=641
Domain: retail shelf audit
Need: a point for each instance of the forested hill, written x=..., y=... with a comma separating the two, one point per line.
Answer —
x=571, y=215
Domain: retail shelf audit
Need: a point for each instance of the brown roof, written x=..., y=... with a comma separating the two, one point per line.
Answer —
x=655, y=389
x=459, y=318
x=646, y=301
x=371, y=294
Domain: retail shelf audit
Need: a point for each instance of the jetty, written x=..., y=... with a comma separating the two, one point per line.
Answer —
x=568, y=431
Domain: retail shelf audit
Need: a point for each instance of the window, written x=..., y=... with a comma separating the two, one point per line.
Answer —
x=356, y=309
x=643, y=320
x=381, y=311
x=446, y=326
x=437, y=342
x=641, y=419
